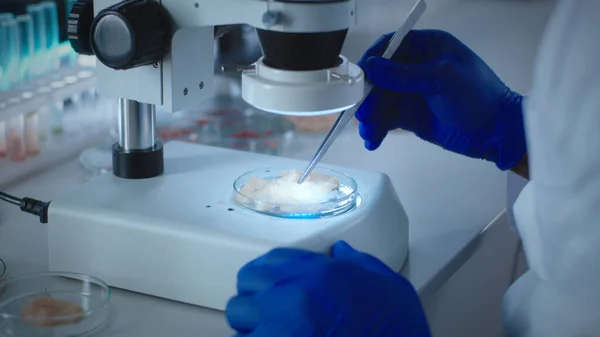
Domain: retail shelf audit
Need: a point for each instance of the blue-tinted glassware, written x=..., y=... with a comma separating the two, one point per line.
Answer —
x=38, y=61
x=6, y=16
x=51, y=13
x=3, y=16
x=9, y=55
x=26, y=46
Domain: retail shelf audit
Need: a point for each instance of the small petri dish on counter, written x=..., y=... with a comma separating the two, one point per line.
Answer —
x=276, y=192
x=53, y=304
x=96, y=161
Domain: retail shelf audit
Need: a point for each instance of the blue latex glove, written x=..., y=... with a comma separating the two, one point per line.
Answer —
x=295, y=293
x=442, y=91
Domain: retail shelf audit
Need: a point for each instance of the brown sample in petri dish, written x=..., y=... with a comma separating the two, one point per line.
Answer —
x=48, y=312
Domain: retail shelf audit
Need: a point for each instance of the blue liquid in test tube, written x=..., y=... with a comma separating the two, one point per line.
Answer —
x=38, y=61
x=26, y=44
x=3, y=16
x=6, y=16
x=51, y=13
x=9, y=55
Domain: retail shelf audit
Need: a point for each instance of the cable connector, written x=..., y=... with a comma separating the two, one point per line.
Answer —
x=35, y=207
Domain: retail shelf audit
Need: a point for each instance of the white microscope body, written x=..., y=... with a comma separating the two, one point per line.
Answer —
x=174, y=230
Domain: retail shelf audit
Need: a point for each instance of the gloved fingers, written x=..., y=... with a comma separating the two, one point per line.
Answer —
x=255, y=278
x=373, y=108
x=373, y=135
x=282, y=311
x=342, y=251
x=411, y=113
x=410, y=78
x=271, y=330
x=420, y=46
x=377, y=49
x=242, y=314
x=281, y=255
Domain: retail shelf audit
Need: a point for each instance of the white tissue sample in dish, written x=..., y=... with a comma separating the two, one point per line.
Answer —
x=281, y=194
x=316, y=189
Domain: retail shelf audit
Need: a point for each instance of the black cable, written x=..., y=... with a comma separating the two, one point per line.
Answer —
x=28, y=205
x=10, y=199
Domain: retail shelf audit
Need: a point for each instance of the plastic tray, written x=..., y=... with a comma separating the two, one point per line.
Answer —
x=88, y=295
x=308, y=200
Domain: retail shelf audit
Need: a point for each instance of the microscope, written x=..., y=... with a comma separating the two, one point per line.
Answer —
x=165, y=223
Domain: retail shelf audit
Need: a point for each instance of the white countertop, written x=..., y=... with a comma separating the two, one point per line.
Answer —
x=449, y=199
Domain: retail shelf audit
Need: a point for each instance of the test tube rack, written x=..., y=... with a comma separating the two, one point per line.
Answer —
x=54, y=87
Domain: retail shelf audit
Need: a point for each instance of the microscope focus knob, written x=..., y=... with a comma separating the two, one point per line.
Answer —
x=78, y=26
x=131, y=34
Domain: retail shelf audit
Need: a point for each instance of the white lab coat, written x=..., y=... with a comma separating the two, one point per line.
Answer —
x=558, y=212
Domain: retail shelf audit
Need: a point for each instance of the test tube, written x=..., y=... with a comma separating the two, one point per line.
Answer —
x=26, y=44
x=32, y=137
x=2, y=139
x=51, y=14
x=6, y=16
x=56, y=117
x=3, y=16
x=9, y=57
x=44, y=114
x=15, y=142
x=2, y=131
x=38, y=61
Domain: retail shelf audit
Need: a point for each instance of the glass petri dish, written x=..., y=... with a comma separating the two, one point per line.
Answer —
x=96, y=161
x=53, y=304
x=255, y=133
x=275, y=192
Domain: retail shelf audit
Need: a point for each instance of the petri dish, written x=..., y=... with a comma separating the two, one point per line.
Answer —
x=275, y=192
x=53, y=304
x=255, y=133
x=96, y=161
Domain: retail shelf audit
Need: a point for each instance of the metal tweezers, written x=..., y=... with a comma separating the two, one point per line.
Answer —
x=347, y=115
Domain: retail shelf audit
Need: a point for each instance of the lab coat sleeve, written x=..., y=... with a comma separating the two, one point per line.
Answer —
x=558, y=212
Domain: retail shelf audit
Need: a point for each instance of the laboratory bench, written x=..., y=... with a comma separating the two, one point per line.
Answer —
x=450, y=200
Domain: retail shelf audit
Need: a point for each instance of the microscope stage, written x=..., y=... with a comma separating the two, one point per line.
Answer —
x=183, y=237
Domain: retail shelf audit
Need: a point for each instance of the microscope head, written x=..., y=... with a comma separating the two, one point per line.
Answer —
x=162, y=53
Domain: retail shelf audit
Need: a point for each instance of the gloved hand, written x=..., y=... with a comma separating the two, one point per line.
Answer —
x=442, y=91
x=295, y=293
